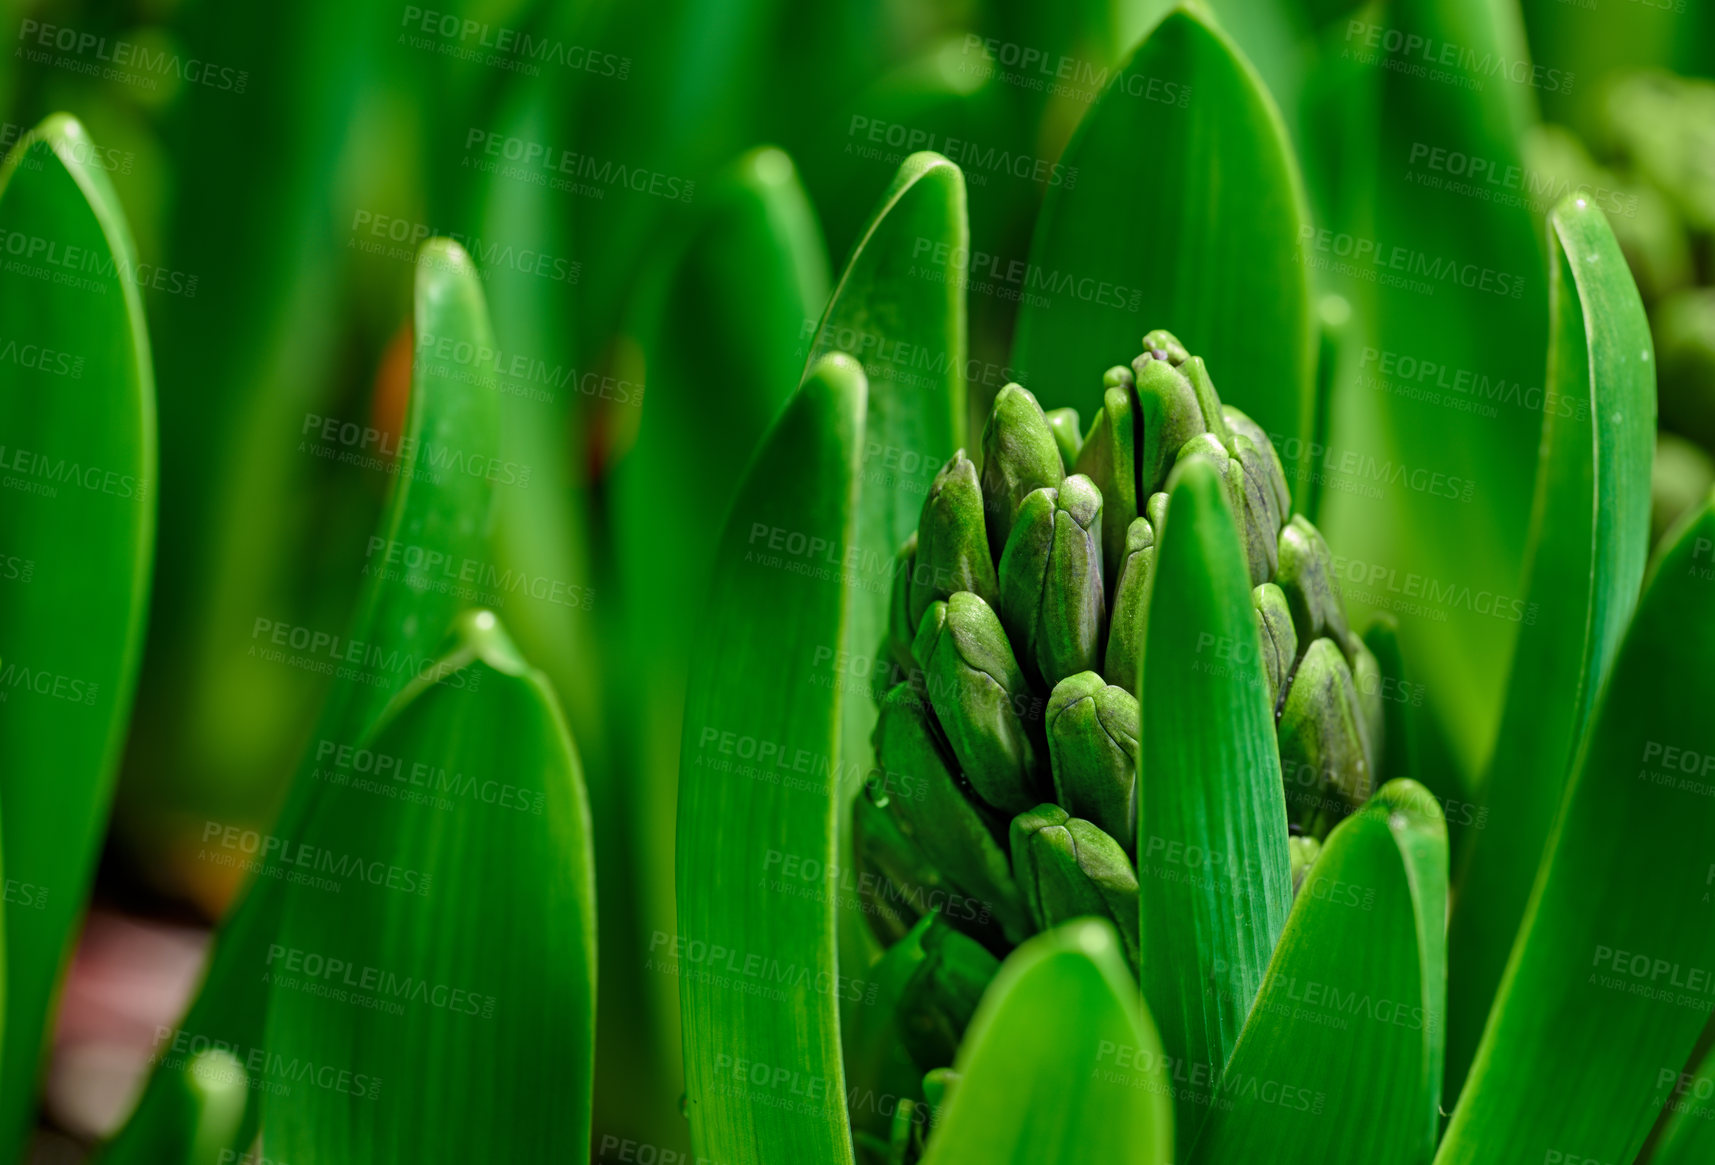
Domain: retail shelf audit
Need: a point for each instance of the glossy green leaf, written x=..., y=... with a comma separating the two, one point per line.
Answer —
x=1341, y=1058
x=439, y=507
x=899, y=308
x=1430, y=460
x=77, y=526
x=1612, y=964
x=1211, y=820
x=365, y=981
x=1185, y=214
x=759, y=785
x=724, y=318
x=1061, y=1064
x=1589, y=540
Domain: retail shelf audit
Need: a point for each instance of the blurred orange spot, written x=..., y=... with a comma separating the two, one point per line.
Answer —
x=393, y=387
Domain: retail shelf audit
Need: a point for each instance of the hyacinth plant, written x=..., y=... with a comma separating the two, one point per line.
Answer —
x=1060, y=814
x=1083, y=824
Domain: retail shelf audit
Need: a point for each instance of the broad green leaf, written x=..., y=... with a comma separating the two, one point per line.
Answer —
x=899, y=309
x=760, y=785
x=77, y=527
x=1613, y=961
x=722, y=324
x=1211, y=818
x=1589, y=539
x=1429, y=462
x=440, y=511
x=470, y=940
x=1061, y=1063
x=1341, y=1059
x=1185, y=214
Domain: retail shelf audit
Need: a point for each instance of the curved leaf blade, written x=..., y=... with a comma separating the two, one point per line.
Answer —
x=1445, y=379
x=1589, y=542
x=395, y=630
x=899, y=308
x=77, y=440
x=1612, y=963
x=1186, y=214
x=1341, y=1057
x=1061, y=1063
x=722, y=323
x=1211, y=821
x=476, y=947
x=760, y=777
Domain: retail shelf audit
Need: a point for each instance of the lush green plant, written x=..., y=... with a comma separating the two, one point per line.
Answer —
x=1244, y=994
x=425, y=989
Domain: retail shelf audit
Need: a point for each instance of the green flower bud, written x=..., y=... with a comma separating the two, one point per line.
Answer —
x=954, y=834
x=1367, y=679
x=1164, y=345
x=1119, y=376
x=978, y=693
x=1108, y=458
x=1068, y=868
x=1131, y=607
x=1064, y=423
x=1306, y=575
x=1092, y=744
x=1269, y=467
x=1156, y=511
x=1169, y=416
x=1279, y=639
x=1208, y=400
x=1301, y=854
x=952, y=541
x=1020, y=454
x=1051, y=580
x=1323, y=745
x=901, y=627
x=939, y=999
x=1249, y=498
x=1262, y=519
